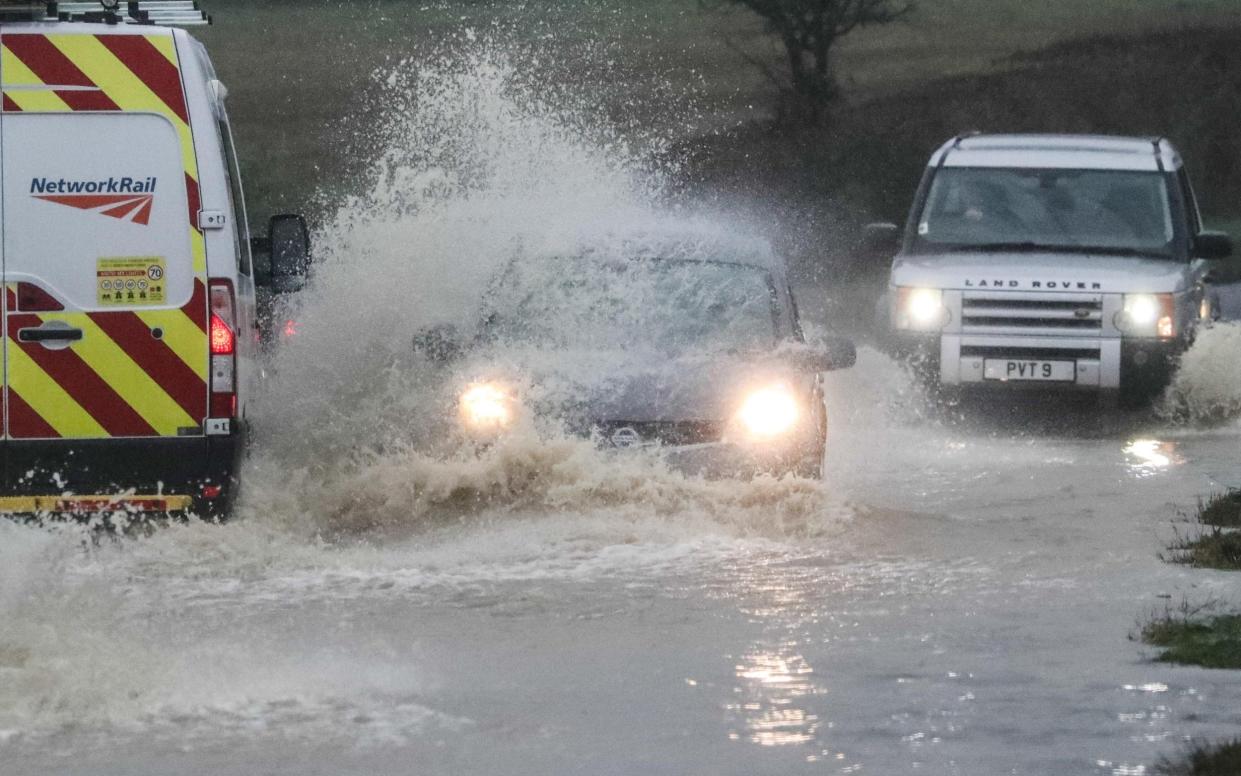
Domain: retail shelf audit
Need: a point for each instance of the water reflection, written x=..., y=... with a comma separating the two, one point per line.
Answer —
x=1147, y=457
x=771, y=686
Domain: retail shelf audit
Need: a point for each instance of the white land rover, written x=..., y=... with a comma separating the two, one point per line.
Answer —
x=1050, y=261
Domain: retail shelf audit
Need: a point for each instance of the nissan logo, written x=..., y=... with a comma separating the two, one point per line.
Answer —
x=626, y=436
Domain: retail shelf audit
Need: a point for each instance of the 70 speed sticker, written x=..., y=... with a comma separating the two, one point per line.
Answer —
x=130, y=281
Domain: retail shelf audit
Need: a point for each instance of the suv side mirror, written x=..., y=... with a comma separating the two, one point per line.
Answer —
x=881, y=240
x=1212, y=245
x=288, y=246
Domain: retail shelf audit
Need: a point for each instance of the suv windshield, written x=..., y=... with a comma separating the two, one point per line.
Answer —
x=667, y=305
x=1055, y=209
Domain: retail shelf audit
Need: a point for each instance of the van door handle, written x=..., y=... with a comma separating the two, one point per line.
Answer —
x=49, y=335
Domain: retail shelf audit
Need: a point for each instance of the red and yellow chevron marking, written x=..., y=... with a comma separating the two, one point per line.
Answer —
x=119, y=379
x=60, y=72
x=72, y=505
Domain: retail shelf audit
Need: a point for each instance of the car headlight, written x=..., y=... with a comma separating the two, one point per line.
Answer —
x=920, y=309
x=769, y=412
x=1147, y=315
x=487, y=407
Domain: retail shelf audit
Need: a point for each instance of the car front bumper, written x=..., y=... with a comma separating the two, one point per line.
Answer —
x=801, y=453
x=952, y=359
x=721, y=460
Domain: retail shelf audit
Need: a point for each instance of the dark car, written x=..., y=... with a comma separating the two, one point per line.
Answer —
x=697, y=354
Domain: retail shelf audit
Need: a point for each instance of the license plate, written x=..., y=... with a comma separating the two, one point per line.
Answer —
x=1025, y=369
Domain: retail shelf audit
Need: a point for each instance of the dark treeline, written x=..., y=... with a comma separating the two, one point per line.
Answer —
x=865, y=161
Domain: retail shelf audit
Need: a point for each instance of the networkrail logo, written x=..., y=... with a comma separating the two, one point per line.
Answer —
x=127, y=199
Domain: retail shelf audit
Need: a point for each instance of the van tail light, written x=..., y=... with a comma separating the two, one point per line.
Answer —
x=223, y=336
x=223, y=342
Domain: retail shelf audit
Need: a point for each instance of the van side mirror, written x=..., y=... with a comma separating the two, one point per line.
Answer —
x=881, y=240
x=1212, y=245
x=287, y=246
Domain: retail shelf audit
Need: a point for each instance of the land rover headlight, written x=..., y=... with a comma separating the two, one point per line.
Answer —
x=488, y=406
x=920, y=309
x=1147, y=315
x=769, y=412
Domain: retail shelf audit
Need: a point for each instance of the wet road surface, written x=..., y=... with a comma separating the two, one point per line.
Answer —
x=956, y=599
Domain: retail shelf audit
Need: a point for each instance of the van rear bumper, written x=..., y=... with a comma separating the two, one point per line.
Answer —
x=191, y=467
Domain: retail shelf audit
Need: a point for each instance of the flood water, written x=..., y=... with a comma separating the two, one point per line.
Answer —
x=953, y=599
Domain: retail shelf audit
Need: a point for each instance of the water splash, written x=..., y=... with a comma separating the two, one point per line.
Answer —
x=478, y=167
x=1207, y=388
x=344, y=495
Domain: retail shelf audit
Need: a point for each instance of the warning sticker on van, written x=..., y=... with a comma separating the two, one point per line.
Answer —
x=130, y=281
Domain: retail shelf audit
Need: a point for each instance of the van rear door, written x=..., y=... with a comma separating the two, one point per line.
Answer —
x=105, y=305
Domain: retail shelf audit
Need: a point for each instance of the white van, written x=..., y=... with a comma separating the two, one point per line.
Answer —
x=130, y=327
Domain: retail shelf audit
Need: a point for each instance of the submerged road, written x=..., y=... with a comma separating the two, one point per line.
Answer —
x=957, y=599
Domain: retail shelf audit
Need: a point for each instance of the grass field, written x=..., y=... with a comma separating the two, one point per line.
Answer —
x=1222, y=510
x=1214, y=540
x=1205, y=759
x=1213, y=642
x=302, y=73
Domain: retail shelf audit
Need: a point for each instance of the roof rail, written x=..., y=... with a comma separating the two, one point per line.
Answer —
x=1158, y=143
x=956, y=141
x=941, y=154
x=180, y=13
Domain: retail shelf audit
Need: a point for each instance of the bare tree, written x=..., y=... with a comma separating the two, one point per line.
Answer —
x=807, y=30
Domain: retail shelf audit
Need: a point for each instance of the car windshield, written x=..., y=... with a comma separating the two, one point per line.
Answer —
x=658, y=304
x=1056, y=209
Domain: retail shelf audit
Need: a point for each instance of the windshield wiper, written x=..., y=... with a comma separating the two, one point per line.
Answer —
x=1116, y=250
x=1025, y=247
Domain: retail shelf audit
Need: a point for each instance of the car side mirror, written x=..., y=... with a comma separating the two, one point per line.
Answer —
x=439, y=344
x=1212, y=245
x=825, y=355
x=881, y=240
x=840, y=351
x=287, y=246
